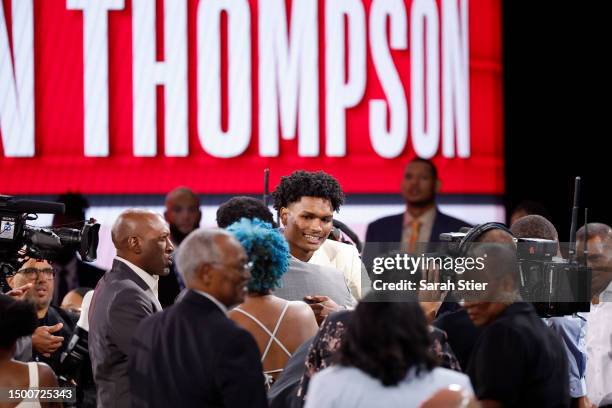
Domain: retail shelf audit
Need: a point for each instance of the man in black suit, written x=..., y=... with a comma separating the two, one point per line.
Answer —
x=517, y=360
x=183, y=215
x=192, y=354
x=421, y=222
x=70, y=271
x=124, y=297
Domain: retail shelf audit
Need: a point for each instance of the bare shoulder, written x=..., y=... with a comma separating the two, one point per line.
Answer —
x=299, y=310
x=46, y=376
x=235, y=315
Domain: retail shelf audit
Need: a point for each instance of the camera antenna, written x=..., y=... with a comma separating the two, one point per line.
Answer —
x=586, y=236
x=572, y=238
x=266, y=192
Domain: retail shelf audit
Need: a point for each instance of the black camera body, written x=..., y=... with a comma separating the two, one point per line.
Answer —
x=555, y=286
x=19, y=241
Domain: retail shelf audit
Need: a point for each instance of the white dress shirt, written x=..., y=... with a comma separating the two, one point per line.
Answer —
x=152, y=281
x=345, y=258
x=599, y=350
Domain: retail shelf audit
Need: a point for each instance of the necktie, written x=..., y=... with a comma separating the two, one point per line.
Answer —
x=415, y=226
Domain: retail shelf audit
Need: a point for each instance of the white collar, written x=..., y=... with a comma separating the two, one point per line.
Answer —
x=213, y=299
x=606, y=295
x=152, y=281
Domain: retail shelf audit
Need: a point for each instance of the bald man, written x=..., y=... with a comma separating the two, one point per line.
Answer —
x=125, y=296
x=183, y=216
x=182, y=213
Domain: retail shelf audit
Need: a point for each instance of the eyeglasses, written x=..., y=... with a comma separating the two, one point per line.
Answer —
x=247, y=267
x=32, y=273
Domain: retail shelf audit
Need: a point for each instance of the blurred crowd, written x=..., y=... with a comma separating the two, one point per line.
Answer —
x=278, y=310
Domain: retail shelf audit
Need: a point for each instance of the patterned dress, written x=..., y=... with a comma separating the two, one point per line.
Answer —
x=328, y=340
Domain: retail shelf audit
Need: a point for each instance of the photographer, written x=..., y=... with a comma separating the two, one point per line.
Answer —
x=54, y=326
x=570, y=329
x=517, y=360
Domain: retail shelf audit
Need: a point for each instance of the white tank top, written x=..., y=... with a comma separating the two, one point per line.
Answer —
x=33, y=373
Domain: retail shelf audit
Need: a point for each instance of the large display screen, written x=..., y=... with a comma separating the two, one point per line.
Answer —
x=120, y=96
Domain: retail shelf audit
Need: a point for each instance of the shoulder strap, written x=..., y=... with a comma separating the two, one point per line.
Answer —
x=33, y=373
x=265, y=329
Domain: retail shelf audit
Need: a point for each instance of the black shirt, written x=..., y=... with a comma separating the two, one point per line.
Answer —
x=461, y=332
x=54, y=316
x=518, y=361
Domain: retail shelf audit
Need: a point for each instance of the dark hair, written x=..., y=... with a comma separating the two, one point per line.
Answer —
x=434, y=170
x=81, y=291
x=267, y=248
x=242, y=207
x=534, y=226
x=75, y=203
x=386, y=339
x=531, y=208
x=17, y=319
x=308, y=184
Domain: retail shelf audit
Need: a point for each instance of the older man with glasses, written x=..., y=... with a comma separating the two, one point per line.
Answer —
x=191, y=354
x=55, y=325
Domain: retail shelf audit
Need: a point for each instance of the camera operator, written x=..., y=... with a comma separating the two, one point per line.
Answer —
x=571, y=330
x=599, y=329
x=453, y=319
x=517, y=360
x=55, y=326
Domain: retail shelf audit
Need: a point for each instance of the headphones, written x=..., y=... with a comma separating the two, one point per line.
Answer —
x=474, y=233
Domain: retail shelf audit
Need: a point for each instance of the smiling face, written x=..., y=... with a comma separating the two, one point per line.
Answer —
x=307, y=223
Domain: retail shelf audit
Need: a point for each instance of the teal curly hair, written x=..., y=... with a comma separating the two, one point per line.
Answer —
x=266, y=248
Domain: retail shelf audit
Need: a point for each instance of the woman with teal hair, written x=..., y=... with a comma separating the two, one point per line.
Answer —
x=278, y=326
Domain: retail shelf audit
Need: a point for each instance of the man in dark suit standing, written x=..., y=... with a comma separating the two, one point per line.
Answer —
x=183, y=216
x=124, y=297
x=422, y=221
x=192, y=354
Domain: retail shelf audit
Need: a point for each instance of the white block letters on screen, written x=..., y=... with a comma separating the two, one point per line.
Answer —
x=391, y=143
x=147, y=73
x=17, y=81
x=216, y=141
x=422, y=107
x=95, y=67
x=288, y=73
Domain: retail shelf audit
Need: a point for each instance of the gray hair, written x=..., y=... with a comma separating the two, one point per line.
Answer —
x=198, y=248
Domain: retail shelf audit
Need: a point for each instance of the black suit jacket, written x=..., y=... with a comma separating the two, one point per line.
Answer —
x=193, y=355
x=385, y=234
x=389, y=229
x=168, y=288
